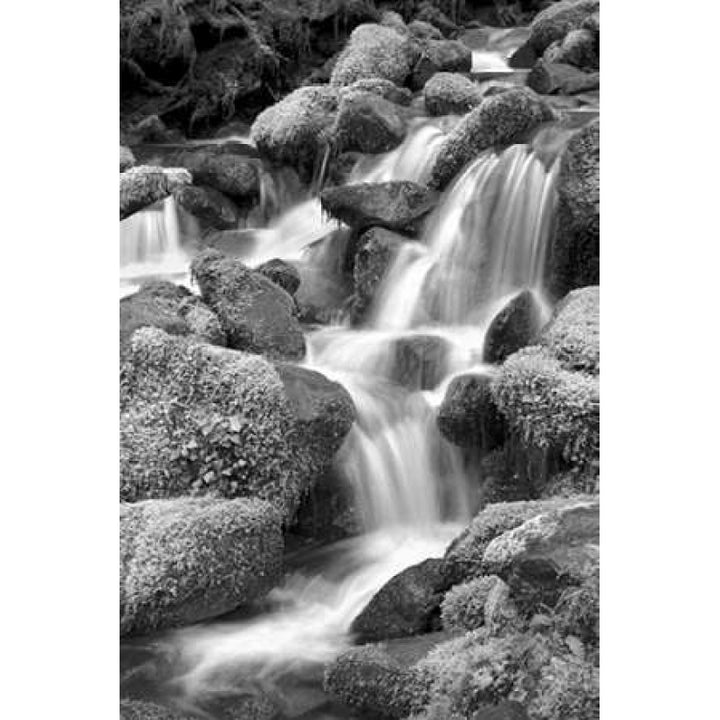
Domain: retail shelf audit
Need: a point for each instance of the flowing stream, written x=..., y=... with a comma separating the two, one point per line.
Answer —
x=485, y=242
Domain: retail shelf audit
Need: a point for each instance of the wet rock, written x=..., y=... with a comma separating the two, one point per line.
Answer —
x=189, y=559
x=499, y=120
x=468, y=416
x=257, y=315
x=142, y=710
x=514, y=327
x=296, y=130
x=229, y=173
x=440, y=56
x=209, y=206
x=523, y=58
x=396, y=205
x=146, y=184
x=423, y=30
x=127, y=159
x=557, y=78
x=383, y=88
x=556, y=21
x=282, y=274
x=575, y=246
x=171, y=308
x=451, y=93
x=419, y=361
x=409, y=604
x=375, y=51
x=367, y=123
x=578, y=48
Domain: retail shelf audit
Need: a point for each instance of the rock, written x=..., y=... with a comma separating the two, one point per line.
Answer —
x=153, y=130
x=514, y=327
x=578, y=48
x=171, y=308
x=592, y=22
x=231, y=174
x=257, y=315
x=573, y=332
x=396, y=205
x=506, y=710
x=146, y=184
x=463, y=607
x=394, y=20
x=468, y=416
x=376, y=250
x=575, y=245
x=282, y=274
x=419, y=361
x=450, y=94
x=409, y=604
x=501, y=612
x=367, y=123
x=440, y=56
x=210, y=207
x=383, y=88
x=375, y=51
x=577, y=611
x=556, y=78
x=499, y=120
x=189, y=559
x=523, y=58
x=556, y=21
x=430, y=13
x=423, y=30
x=141, y=710
x=127, y=159
x=296, y=130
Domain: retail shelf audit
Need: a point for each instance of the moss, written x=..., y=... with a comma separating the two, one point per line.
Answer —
x=463, y=607
x=577, y=612
x=141, y=710
x=144, y=185
x=188, y=559
x=423, y=30
x=578, y=48
x=448, y=93
x=556, y=21
x=383, y=88
x=282, y=273
x=499, y=120
x=375, y=51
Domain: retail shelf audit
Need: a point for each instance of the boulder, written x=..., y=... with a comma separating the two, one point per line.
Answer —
x=523, y=57
x=575, y=245
x=248, y=430
x=440, y=56
x=375, y=51
x=399, y=205
x=468, y=416
x=142, y=710
x=463, y=607
x=127, y=159
x=408, y=604
x=577, y=612
x=557, y=78
x=579, y=48
x=152, y=129
x=383, y=88
x=146, y=184
x=231, y=174
x=296, y=130
x=499, y=120
x=376, y=250
x=431, y=13
x=557, y=20
x=419, y=361
x=367, y=123
x=256, y=314
x=451, y=94
x=282, y=274
x=514, y=327
x=209, y=206
x=189, y=559
x=394, y=20
x=423, y=30
x=171, y=308
x=505, y=710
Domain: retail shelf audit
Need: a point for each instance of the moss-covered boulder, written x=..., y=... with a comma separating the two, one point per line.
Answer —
x=447, y=93
x=579, y=48
x=440, y=56
x=423, y=30
x=384, y=88
x=282, y=274
x=127, y=159
x=463, y=607
x=408, y=604
x=557, y=78
x=468, y=416
x=256, y=314
x=499, y=120
x=142, y=710
x=213, y=210
x=419, y=361
x=514, y=327
x=399, y=205
x=296, y=130
x=146, y=184
x=189, y=559
x=575, y=245
x=559, y=19
x=171, y=308
x=375, y=50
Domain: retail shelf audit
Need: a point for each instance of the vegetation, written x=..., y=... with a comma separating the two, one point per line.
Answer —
x=463, y=607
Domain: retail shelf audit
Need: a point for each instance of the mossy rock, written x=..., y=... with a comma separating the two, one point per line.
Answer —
x=144, y=185
x=579, y=48
x=514, y=327
x=256, y=314
x=447, y=93
x=557, y=78
x=499, y=120
x=383, y=88
x=556, y=21
x=142, y=710
x=440, y=56
x=463, y=607
x=211, y=208
x=127, y=159
x=282, y=273
x=423, y=30
x=189, y=559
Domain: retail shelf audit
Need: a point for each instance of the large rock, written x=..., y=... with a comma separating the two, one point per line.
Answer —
x=556, y=21
x=499, y=120
x=189, y=559
x=448, y=93
x=468, y=416
x=408, y=604
x=197, y=419
x=367, y=123
x=142, y=710
x=396, y=205
x=575, y=246
x=231, y=174
x=419, y=361
x=375, y=51
x=423, y=30
x=257, y=315
x=578, y=48
x=558, y=78
x=514, y=327
x=146, y=184
x=171, y=308
x=209, y=206
x=282, y=274
x=383, y=88
x=440, y=56
x=463, y=607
